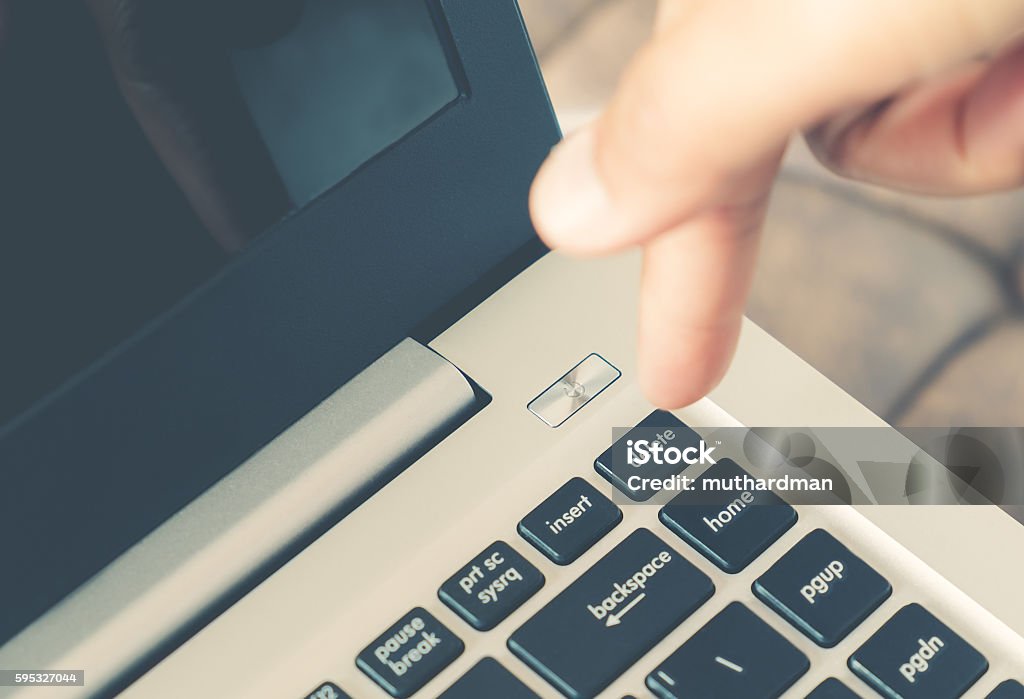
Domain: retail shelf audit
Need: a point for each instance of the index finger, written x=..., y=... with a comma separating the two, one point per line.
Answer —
x=683, y=159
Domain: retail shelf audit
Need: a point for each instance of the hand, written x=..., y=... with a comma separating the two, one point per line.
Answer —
x=923, y=95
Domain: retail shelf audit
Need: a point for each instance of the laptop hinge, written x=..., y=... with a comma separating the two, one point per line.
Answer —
x=159, y=592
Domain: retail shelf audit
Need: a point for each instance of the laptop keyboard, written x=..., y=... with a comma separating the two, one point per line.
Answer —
x=620, y=607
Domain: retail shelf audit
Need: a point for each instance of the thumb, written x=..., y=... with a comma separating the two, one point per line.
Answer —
x=721, y=86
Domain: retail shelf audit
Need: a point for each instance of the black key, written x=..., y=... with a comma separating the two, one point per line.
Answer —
x=570, y=521
x=916, y=656
x=731, y=528
x=488, y=679
x=410, y=653
x=618, y=610
x=663, y=430
x=1010, y=689
x=327, y=690
x=734, y=655
x=822, y=588
x=491, y=586
x=832, y=689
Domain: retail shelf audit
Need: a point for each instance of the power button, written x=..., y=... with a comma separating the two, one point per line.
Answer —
x=580, y=385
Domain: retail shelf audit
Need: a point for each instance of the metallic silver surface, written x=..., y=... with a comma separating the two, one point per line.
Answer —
x=580, y=385
x=320, y=466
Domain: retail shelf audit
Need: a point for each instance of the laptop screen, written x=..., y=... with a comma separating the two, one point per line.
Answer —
x=143, y=145
x=138, y=158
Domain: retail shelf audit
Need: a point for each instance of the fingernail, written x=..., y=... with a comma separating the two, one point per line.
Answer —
x=570, y=202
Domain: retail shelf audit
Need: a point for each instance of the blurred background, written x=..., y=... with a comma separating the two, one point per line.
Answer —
x=913, y=305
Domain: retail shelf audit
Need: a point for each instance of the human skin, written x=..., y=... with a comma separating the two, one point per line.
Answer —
x=921, y=95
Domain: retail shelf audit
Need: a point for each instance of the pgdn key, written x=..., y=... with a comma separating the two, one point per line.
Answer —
x=618, y=610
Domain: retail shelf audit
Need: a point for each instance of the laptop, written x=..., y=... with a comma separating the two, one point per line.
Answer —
x=388, y=446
